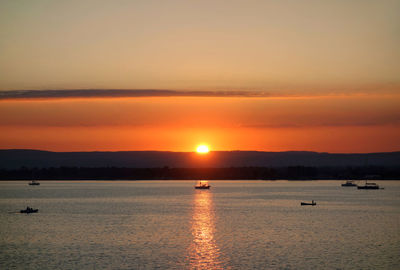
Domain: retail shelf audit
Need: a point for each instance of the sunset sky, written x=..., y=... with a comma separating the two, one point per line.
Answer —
x=237, y=75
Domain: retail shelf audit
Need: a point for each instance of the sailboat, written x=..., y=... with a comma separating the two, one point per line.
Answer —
x=202, y=185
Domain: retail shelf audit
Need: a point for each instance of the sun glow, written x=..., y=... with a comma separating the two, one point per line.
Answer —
x=202, y=149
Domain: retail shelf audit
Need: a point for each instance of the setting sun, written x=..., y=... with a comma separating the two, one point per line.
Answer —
x=202, y=149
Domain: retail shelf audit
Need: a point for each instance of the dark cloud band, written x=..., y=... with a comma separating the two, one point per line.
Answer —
x=117, y=93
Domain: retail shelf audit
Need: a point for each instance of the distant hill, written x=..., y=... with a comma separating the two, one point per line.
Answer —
x=14, y=159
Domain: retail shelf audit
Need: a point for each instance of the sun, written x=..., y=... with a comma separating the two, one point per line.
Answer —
x=202, y=149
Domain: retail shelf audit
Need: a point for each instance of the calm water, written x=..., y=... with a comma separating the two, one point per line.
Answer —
x=170, y=225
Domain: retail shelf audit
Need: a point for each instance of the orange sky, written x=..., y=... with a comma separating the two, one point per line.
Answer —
x=208, y=44
x=338, y=123
x=327, y=71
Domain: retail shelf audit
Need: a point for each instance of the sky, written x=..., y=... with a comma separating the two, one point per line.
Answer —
x=168, y=75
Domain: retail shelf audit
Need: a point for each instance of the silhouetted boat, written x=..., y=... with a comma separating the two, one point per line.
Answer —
x=311, y=203
x=34, y=183
x=349, y=183
x=29, y=210
x=369, y=186
x=202, y=185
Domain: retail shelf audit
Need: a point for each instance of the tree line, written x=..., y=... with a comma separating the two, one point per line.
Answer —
x=233, y=173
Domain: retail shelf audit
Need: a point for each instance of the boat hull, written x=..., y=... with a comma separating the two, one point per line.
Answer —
x=29, y=211
x=368, y=187
x=208, y=187
x=304, y=203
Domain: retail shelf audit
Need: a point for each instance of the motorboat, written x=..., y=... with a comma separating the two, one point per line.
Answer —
x=311, y=203
x=369, y=186
x=202, y=185
x=29, y=210
x=34, y=183
x=349, y=183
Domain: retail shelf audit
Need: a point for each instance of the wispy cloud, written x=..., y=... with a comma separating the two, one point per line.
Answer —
x=381, y=90
x=394, y=121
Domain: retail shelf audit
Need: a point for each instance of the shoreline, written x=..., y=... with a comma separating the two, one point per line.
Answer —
x=166, y=180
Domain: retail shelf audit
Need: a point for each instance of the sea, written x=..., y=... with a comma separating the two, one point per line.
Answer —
x=171, y=225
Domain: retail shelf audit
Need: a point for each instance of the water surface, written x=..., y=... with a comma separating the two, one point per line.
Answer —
x=170, y=225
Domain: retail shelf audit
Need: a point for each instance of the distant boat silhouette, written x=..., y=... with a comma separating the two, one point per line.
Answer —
x=34, y=183
x=368, y=186
x=311, y=203
x=202, y=185
x=29, y=210
x=349, y=183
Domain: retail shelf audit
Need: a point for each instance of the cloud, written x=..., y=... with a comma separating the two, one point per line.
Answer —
x=118, y=93
x=372, y=90
x=335, y=123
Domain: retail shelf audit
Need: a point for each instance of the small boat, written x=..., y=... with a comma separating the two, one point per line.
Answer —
x=349, y=183
x=202, y=185
x=311, y=203
x=29, y=210
x=368, y=186
x=34, y=183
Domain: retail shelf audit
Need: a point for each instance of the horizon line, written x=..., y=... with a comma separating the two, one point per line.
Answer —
x=194, y=152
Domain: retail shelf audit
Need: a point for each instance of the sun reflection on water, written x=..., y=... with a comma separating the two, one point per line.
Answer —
x=203, y=252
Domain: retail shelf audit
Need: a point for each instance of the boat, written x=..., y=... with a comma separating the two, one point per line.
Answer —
x=34, y=183
x=29, y=210
x=349, y=183
x=368, y=186
x=202, y=185
x=311, y=203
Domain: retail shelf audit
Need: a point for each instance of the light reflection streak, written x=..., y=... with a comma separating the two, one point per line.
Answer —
x=203, y=251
